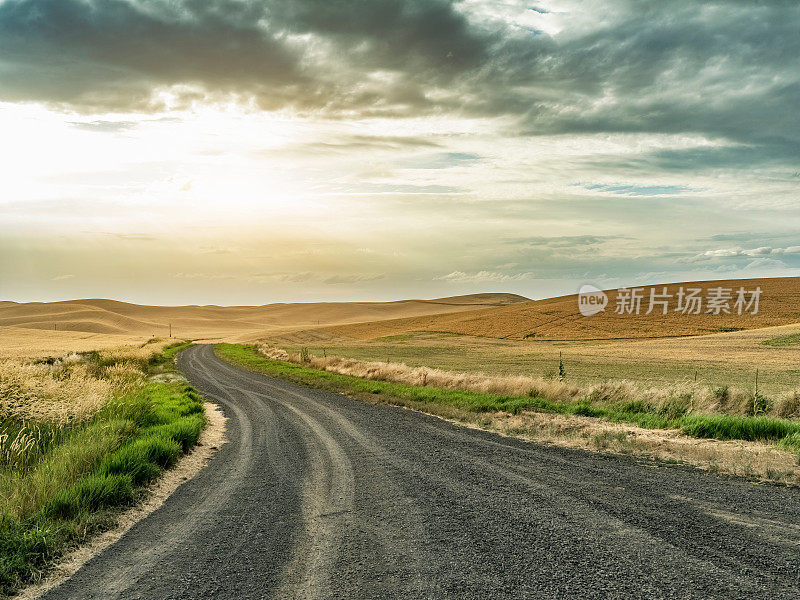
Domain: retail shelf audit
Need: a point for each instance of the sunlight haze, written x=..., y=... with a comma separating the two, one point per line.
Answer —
x=461, y=147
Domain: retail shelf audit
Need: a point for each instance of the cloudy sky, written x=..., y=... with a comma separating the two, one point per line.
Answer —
x=251, y=151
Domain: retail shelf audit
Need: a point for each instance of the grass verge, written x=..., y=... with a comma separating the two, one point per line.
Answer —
x=442, y=401
x=77, y=481
x=164, y=361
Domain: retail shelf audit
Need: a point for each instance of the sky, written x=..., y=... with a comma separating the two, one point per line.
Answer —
x=248, y=152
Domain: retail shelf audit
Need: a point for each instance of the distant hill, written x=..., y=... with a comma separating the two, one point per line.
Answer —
x=113, y=317
x=559, y=318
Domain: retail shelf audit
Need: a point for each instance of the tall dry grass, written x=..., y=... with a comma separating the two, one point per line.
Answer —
x=40, y=402
x=79, y=434
x=674, y=400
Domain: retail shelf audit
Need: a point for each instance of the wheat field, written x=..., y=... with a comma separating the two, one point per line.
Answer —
x=715, y=360
x=559, y=319
x=105, y=320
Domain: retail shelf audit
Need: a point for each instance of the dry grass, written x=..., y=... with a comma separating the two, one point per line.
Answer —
x=753, y=459
x=678, y=398
x=80, y=434
x=713, y=360
x=50, y=394
x=425, y=376
x=40, y=404
x=42, y=397
x=745, y=459
x=30, y=344
x=43, y=401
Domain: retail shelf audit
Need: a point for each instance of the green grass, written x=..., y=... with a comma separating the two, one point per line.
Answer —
x=80, y=480
x=164, y=361
x=587, y=363
x=723, y=427
x=784, y=340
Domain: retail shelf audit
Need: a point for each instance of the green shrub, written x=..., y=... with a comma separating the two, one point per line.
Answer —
x=759, y=404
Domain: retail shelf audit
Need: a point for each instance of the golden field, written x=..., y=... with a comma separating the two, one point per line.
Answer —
x=112, y=318
x=24, y=344
x=493, y=333
x=531, y=338
x=500, y=343
x=559, y=318
x=715, y=360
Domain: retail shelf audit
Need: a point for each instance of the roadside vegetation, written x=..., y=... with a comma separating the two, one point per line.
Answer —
x=695, y=411
x=708, y=413
x=713, y=361
x=80, y=436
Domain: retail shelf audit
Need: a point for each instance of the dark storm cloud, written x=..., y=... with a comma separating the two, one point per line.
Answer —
x=111, y=53
x=725, y=70
x=756, y=150
x=395, y=35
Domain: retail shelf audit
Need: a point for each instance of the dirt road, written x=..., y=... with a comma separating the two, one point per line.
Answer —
x=320, y=496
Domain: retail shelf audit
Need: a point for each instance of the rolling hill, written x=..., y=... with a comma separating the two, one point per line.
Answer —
x=559, y=318
x=120, y=318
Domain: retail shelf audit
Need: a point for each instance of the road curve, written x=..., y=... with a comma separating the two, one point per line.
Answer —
x=320, y=496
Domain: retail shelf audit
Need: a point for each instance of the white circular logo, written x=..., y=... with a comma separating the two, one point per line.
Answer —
x=591, y=300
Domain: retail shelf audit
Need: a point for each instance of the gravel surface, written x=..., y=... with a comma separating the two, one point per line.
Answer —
x=320, y=496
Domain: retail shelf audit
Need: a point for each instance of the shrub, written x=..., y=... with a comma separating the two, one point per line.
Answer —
x=722, y=396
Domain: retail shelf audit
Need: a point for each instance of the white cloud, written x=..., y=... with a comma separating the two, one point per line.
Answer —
x=483, y=276
x=738, y=252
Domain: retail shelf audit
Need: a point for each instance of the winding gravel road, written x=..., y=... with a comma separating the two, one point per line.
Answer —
x=320, y=496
